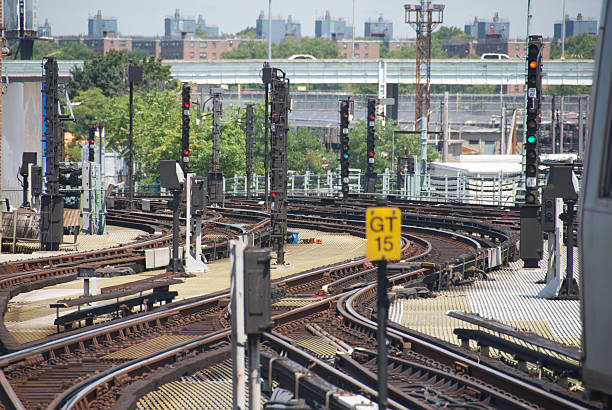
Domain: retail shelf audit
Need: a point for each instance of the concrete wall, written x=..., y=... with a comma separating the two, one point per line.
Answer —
x=21, y=131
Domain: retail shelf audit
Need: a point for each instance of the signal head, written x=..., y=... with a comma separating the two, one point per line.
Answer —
x=530, y=198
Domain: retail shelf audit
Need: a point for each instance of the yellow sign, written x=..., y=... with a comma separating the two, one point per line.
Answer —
x=383, y=232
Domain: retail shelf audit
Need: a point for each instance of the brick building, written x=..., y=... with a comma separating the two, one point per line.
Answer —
x=364, y=49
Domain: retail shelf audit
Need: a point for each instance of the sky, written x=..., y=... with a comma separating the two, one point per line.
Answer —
x=146, y=17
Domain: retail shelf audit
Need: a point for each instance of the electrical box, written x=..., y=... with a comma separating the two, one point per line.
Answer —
x=36, y=180
x=549, y=203
x=257, y=290
x=531, y=236
x=171, y=175
x=199, y=196
x=26, y=159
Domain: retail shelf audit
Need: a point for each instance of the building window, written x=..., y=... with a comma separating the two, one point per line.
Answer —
x=112, y=42
x=122, y=43
x=231, y=43
x=356, y=55
x=365, y=55
x=192, y=44
x=191, y=55
x=202, y=44
x=397, y=45
x=516, y=88
x=214, y=45
x=356, y=46
x=474, y=142
x=202, y=55
x=345, y=45
x=344, y=55
x=365, y=45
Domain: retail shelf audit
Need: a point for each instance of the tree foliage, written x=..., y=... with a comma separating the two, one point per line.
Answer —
x=68, y=51
x=580, y=46
x=317, y=47
x=388, y=147
x=248, y=32
x=109, y=74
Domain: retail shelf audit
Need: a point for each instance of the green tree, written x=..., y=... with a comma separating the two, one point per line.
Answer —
x=248, y=32
x=580, y=46
x=388, y=144
x=445, y=33
x=68, y=51
x=317, y=47
x=109, y=74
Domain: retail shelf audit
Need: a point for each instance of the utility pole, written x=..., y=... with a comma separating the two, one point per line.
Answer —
x=423, y=17
x=269, y=30
x=134, y=76
x=249, y=149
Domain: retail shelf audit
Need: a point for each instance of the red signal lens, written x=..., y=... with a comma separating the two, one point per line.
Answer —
x=272, y=194
x=187, y=105
x=92, y=141
x=371, y=153
x=372, y=116
x=533, y=64
x=273, y=115
x=185, y=152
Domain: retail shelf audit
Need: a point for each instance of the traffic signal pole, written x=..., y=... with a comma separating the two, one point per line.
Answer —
x=531, y=227
x=344, y=146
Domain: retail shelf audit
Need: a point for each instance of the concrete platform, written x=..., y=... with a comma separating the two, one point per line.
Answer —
x=115, y=236
x=30, y=318
x=508, y=296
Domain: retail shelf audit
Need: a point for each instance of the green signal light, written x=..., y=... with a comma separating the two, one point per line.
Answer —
x=345, y=156
x=531, y=139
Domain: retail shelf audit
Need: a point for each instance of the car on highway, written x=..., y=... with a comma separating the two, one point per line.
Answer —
x=302, y=57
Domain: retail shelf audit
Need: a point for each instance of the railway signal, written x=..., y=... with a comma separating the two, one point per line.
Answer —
x=531, y=226
x=91, y=140
x=370, y=186
x=534, y=91
x=186, y=105
x=344, y=146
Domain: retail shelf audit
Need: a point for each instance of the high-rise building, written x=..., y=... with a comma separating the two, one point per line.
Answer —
x=579, y=25
x=99, y=26
x=481, y=28
x=281, y=29
x=178, y=26
x=331, y=28
x=379, y=28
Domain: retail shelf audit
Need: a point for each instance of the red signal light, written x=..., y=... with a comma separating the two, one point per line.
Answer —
x=372, y=116
x=92, y=141
x=187, y=105
x=533, y=64
x=371, y=153
x=272, y=194
x=185, y=152
x=273, y=115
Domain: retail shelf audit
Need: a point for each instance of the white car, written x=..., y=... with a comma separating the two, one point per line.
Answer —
x=494, y=56
x=302, y=57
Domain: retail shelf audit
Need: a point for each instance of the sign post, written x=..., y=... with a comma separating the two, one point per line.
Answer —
x=383, y=233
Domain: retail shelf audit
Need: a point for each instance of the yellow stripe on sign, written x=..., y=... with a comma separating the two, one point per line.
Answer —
x=383, y=233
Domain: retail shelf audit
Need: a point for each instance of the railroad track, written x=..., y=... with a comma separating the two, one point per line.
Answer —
x=192, y=320
x=434, y=261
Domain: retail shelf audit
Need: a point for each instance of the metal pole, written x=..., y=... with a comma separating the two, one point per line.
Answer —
x=238, y=334
x=553, y=125
x=563, y=34
x=131, y=149
x=266, y=136
x=446, y=130
x=383, y=308
x=580, y=127
x=269, y=30
x=561, y=120
x=176, y=198
x=353, y=34
x=502, y=127
x=254, y=376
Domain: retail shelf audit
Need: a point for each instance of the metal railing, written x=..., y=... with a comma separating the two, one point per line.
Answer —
x=500, y=190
